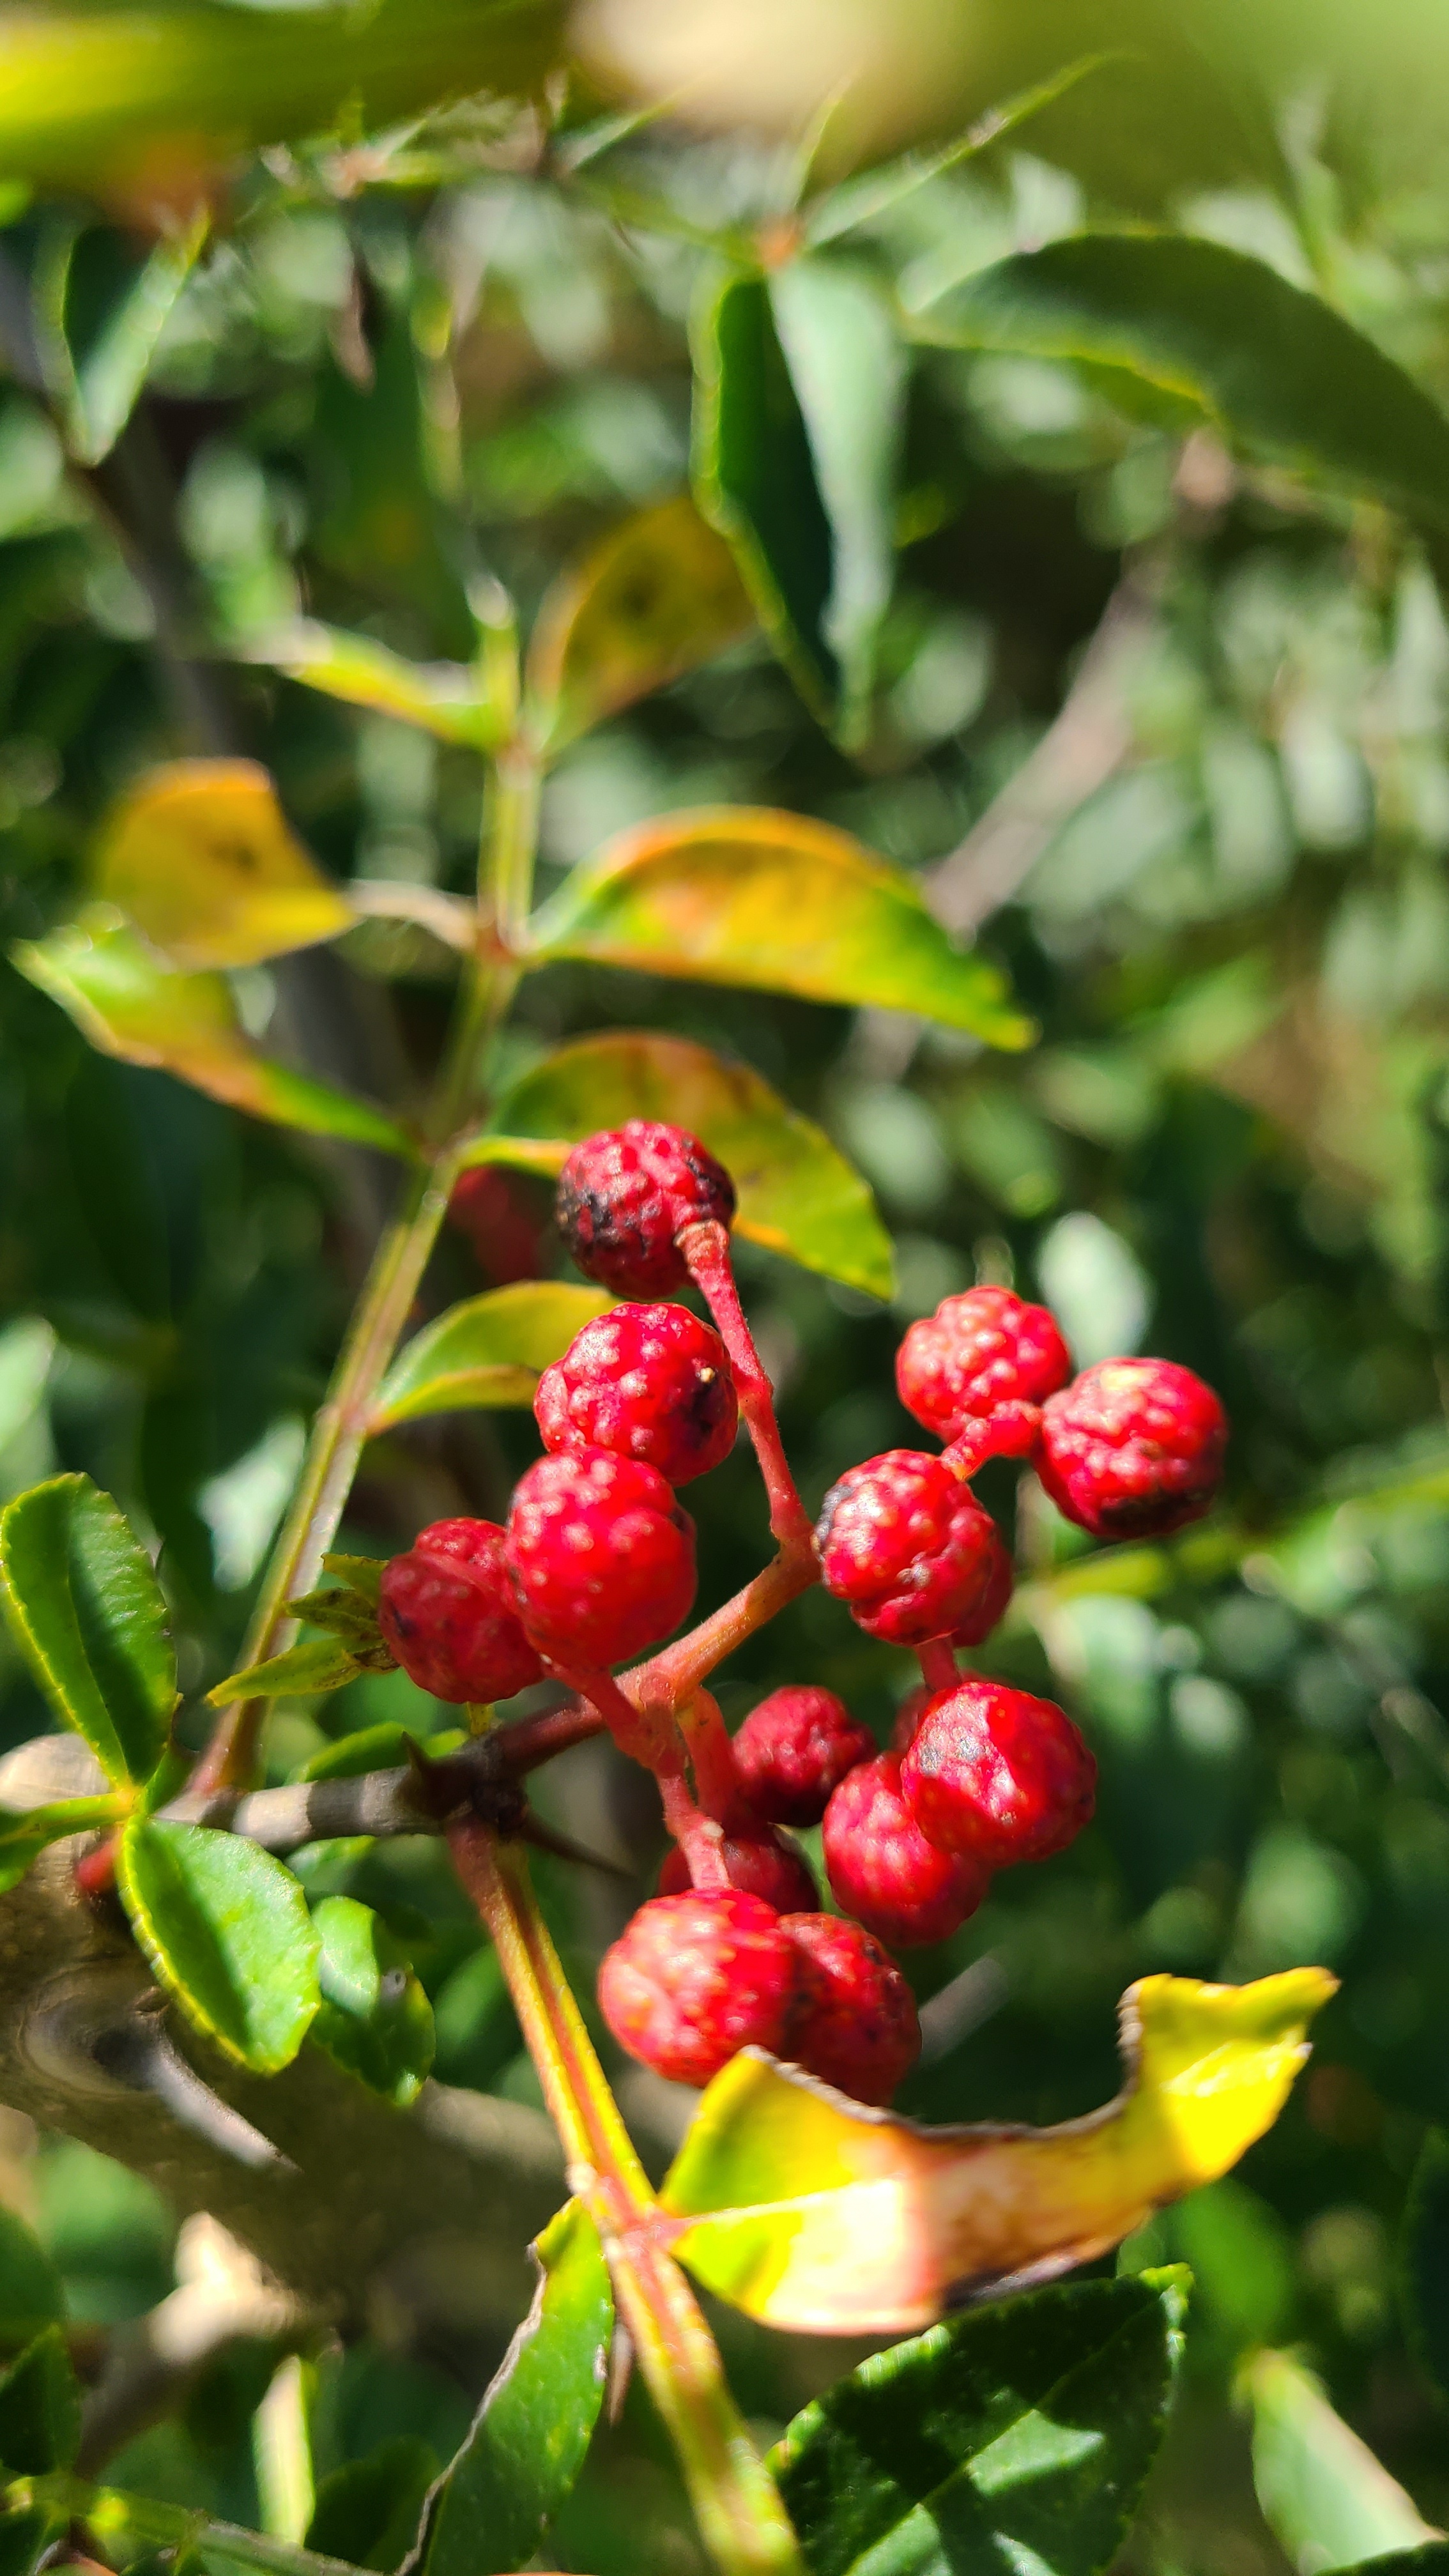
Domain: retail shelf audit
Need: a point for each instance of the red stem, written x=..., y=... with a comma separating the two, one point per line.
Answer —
x=938, y=1664
x=712, y=1760
x=706, y=1249
x=700, y=1840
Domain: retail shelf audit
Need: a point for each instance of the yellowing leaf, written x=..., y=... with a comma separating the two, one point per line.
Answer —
x=129, y=1003
x=797, y=1194
x=746, y=895
x=488, y=1351
x=811, y=2213
x=200, y=856
x=659, y=596
x=441, y=697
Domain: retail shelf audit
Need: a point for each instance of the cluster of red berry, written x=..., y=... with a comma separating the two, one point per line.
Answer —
x=596, y=1564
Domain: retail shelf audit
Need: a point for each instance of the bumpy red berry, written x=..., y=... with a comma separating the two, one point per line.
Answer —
x=624, y=1197
x=997, y=1585
x=1133, y=1448
x=649, y=1382
x=795, y=1748
x=858, y=2030
x=997, y=1776
x=448, y=1611
x=909, y=1548
x=601, y=1555
x=881, y=1867
x=981, y=1350
x=909, y=1715
x=762, y=1863
x=694, y=1978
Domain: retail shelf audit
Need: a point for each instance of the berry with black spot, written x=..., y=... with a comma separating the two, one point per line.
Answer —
x=1133, y=1448
x=626, y=1195
x=980, y=1351
x=601, y=1556
x=996, y=1775
x=647, y=1382
x=694, y=1978
x=795, y=1748
x=760, y=1861
x=882, y=1869
x=858, y=2030
x=448, y=1612
x=908, y=1547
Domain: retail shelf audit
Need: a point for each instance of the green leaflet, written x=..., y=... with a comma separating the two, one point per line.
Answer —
x=226, y=1928
x=531, y=2434
x=1015, y=2436
x=88, y=1615
x=40, y=2408
x=1280, y=370
x=1324, y=2496
x=318, y=1664
x=374, y=2018
x=30, y=2291
x=440, y=697
x=488, y=1351
x=24, y=1836
x=101, y=389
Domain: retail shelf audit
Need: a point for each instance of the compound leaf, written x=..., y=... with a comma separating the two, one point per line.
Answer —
x=1324, y=2496
x=657, y=597
x=375, y=2020
x=488, y=1351
x=1015, y=2436
x=129, y=1003
x=201, y=858
x=226, y=1928
x=746, y=895
x=531, y=2434
x=797, y=1194
x=813, y=2214
x=88, y=1615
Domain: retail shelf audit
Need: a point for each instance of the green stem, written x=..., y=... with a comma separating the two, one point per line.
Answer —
x=741, y=2518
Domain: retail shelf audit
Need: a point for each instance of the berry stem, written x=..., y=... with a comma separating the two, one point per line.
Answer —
x=741, y=2518
x=675, y=1674
x=641, y=1732
x=938, y=1664
x=698, y=1838
x=706, y=1249
x=711, y=1755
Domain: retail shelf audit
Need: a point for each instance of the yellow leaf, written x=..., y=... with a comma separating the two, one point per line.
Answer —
x=659, y=596
x=811, y=2213
x=200, y=855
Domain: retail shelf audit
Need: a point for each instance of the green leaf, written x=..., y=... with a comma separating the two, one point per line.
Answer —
x=1017, y=2436
x=227, y=1931
x=441, y=698
x=745, y=895
x=847, y=363
x=40, y=2408
x=1325, y=2498
x=375, y=2019
x=659, y=596
x=1281, y=372
x=108, y=381
x=372, y=1748
x=30, y=2293
x=88, y=1615
x=755, y=481
x=129, y=1003
x=531, y=2434
x=873, y=193
x=199, y=855
x=318, y=1664
x=368, y=2511
x=797, y=1194
x=488, y=1351
x=24, y=1836
x=1425, y=2259
x=26, y=2536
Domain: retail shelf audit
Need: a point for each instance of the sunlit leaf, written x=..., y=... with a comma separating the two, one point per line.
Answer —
x=1278, y=369
x=872, y=193
x=88, y=1615
x=531, y=2434
x=126, y=1000
x=440, y=697
x=201, y=858
x=24, y=1837
x=374, y=2019
x=227, y=1931
x=659, y=596
x=367, y=2511
x=811, y=2213
x=1325, y=2497
x=488, y=1351
x=745, y=895
x=39, y=2408
x=797, y=1194
x=109, y=379
x=1019, y=2436
x=318, y=1664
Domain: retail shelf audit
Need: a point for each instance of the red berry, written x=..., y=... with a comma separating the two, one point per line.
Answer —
x=881, y=1867
x=648, y=1382
x=602, y=1557
x=909, y=1548
x=762, y=1863
x=997, y=1776
x=1133, y=1448
x=983, y=1349
x=448, y=1611
x=859, y=2029
x=625, y=1195
x=695, y=1978
x=998, y=1584
x=908, y=1716
x=496, y=1213
x=795, y=1748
